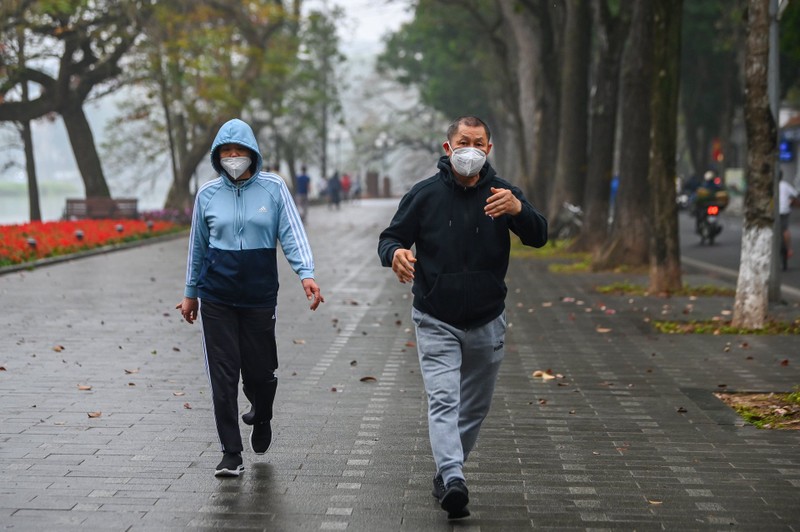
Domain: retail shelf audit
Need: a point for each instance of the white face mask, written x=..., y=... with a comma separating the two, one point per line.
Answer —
x=235, y=166
x=467, y=161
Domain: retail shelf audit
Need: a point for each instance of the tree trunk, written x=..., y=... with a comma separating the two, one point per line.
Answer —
x=540, y=81
x=752, y=294
x=83, y=146
x=611, y=35
x=34, y=210
x=628, y=242
x=570, y=176
x=180, y=196
x=665, y=253
x=528, y=51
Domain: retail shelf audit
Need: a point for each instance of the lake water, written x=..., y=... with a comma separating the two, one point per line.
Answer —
x=14, y=207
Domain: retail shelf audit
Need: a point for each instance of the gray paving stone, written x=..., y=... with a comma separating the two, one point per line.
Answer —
x=608, y=450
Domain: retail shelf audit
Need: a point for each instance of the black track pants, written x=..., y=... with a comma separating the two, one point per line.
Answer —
x=236, y=340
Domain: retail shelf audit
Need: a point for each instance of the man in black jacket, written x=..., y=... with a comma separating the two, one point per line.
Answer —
x=459, y=222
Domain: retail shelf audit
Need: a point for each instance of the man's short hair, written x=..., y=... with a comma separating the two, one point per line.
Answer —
x=470, y=121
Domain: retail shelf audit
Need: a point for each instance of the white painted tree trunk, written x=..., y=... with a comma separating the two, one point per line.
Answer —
x=752, y=293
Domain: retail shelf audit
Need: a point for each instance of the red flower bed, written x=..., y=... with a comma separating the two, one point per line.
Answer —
x=37, y=240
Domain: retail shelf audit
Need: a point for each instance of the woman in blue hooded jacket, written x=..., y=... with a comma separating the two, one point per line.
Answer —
x=232, y=280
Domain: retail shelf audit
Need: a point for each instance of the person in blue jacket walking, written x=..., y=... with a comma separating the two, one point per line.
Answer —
x=232, y=281
x=459, y=222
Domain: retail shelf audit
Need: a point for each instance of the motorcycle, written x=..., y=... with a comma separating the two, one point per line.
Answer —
x=709, y=224
x=567, y=224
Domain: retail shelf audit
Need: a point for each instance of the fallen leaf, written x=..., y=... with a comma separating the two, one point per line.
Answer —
x=94, y=414
x=655, y=503
x=681, y=410
x=411, y=344
x=84, y=387
x=333, y=389
x=187, y=406
x=176, y=349
x=603, y=330
x=178, y=394
x=368, y=379
x=131, y=384
x=131, y=371
x=354, y=363
x=542, y=401
x=547, y=304
x=2, y=368
x=298, y=341
x=785, y=362
x=58, y=348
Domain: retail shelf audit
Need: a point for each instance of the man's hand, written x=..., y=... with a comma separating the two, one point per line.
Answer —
x=502, y=201
x=313, y=293
x=403, y=265
x=188, y=308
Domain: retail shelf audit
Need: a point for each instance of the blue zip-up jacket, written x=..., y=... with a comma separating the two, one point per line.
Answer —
x=235, y=230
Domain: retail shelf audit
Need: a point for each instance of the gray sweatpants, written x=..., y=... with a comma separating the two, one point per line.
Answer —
x=459, y=368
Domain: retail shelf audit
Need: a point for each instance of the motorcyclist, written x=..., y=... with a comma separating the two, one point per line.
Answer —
x=710, y=192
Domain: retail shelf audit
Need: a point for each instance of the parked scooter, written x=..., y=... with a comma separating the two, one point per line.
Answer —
x=567, y=224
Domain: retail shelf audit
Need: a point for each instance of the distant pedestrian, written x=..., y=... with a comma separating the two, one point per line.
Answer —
x=787, y=198
x=334, y=191
x=232, y=279
x=301, y=193
x=346, y=184
x=459, y=221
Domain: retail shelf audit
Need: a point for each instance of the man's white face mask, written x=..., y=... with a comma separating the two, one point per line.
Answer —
x=467, y=161
x=235, y=166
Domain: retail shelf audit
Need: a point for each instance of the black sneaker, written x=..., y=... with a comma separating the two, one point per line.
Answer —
x=455, y=499
x=260, y=437
x=230, y=466
x=438, y=487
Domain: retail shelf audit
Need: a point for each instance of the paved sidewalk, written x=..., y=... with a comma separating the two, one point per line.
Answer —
x=631, y=438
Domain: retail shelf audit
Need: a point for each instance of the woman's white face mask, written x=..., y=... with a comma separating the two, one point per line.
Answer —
x=467, y=161
x=235, y=166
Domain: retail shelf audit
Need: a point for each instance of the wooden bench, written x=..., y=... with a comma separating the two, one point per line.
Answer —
x=98, y=208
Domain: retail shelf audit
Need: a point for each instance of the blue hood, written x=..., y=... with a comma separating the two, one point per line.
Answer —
x=236, y=131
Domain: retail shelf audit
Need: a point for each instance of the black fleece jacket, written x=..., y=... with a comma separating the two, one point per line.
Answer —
x=462, y=254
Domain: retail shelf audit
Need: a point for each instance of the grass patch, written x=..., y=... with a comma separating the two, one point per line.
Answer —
x=555, y=249
x=627, y=288
x=582, y=266
x=717, y=326
x=766, y=410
